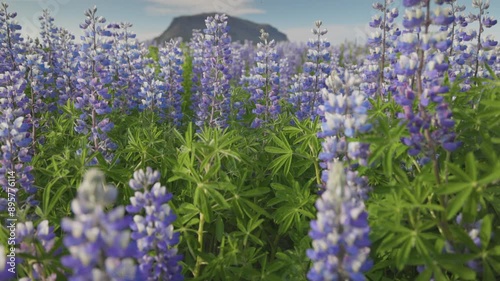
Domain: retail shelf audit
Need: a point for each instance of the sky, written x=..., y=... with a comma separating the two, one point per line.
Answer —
x=344, y=19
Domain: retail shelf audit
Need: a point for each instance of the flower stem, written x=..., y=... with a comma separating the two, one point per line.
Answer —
x=199, y=259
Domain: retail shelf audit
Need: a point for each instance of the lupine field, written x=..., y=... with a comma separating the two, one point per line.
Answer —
x=221, y=160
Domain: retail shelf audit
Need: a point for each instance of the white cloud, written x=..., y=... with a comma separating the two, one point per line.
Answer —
x=178, y=7
x=337, y=33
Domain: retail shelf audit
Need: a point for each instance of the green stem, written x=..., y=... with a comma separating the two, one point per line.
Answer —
x=199, y=259
x=274, y=247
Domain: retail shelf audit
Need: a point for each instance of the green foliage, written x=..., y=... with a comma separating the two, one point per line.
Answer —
x=413, y=212
x=244, y=198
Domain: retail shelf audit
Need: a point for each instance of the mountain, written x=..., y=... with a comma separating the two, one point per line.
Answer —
x=239, y=29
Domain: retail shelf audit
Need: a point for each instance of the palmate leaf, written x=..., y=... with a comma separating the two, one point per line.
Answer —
x=485, y=232
x=295, y=204
x=458, y=202
x=243, y=206
x=284, y=161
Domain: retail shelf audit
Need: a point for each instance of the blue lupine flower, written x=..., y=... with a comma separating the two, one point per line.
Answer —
x=171, y=59
x=152, y=227
x=92, y=77
x=212, y=101
x=443, y=16
x=305, y=89
x=98, y=240
x=489, y=22
x=411, y=3
x=417, y=114
x=128, y=59
x=15, y=135
x=12, y=47
x=413, y=18
x=36, y=243
x=341, y=245
x=264, y=82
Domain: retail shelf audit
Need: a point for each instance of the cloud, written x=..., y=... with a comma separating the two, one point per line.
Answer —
x=337, y=33
x=176, y=7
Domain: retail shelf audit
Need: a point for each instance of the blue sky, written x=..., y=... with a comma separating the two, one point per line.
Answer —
x=344, y=19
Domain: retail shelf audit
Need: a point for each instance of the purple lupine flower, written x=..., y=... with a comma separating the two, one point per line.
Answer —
x=41, y=72
x=489, y=22
x=151, y=95
x=238, y=67
x=127, y=62
x=341, y=245
x=98, y=240
x=212, y=101
x=305, y=92
x=196, y=48
x=411, y=3
x=152, y=227
x=15, y=138
x=40, y=90
x=15, y=118
x=171, y=59
x=12, y=47
x=489, y=42
x=484, y=22
x=374, y=69
x=345, y=111
x=429, y=129
x=285, y=73
x=36, y=243
x=413, y=18
x=92, y=76
x=443, y=16
x=66, y=59
x=263, y=82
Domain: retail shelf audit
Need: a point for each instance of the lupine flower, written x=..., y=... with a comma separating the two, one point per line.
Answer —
x=40, y=90
x=413, y=18
x=65, y=55
x=98, y=240
x=263, y=82
x=428, y=129
x=305, y=88
x=15, y=139
x=171, y=61
x=128, y=59
x=11, y=42
x=151, y=95
x=374, y=69
x=345, y=113
x=93, y=75
x=152, y=227
x=341, y=245
x=212, y=103
x=162, y=93
x=411, y=3
x=196, y=48
x=238, y=67
x=443, y=16
x=484, y=22
x=36, y=244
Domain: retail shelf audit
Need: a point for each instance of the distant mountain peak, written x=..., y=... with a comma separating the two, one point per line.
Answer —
x=239, y=29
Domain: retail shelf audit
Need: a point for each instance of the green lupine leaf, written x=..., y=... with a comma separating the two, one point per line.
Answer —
x=470, y=166
x=485, y=232
x=452, y=188
x=458, y=202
